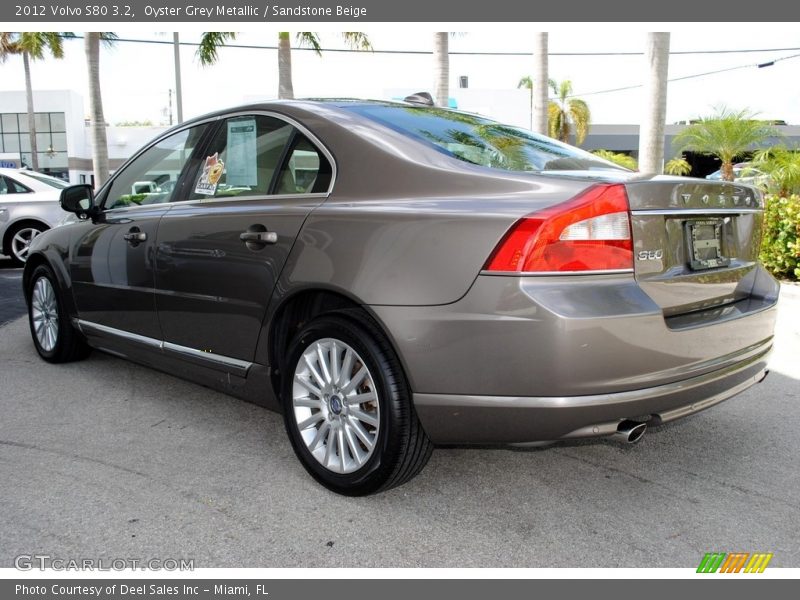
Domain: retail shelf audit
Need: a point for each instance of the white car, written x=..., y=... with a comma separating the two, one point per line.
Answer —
x=28, y=206
x=743, y=173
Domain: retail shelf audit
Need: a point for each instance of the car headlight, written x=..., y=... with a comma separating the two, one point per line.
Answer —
x=69, y=218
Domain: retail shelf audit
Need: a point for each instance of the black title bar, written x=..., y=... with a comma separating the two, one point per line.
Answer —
x=473, y=11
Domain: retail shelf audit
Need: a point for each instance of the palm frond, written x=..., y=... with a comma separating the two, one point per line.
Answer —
x=357, y=40
x=310, y=39
x=581, y=117
x=677, y=166
x=726, y=134
x=210, y=43
x=555, y=117
x=108, y=38
x=526, y=82
x=9, y=44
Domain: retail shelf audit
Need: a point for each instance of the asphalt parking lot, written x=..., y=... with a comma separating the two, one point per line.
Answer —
x=107, y=459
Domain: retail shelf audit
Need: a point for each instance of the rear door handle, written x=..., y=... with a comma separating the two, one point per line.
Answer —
x=134, y=236
x=259, y=237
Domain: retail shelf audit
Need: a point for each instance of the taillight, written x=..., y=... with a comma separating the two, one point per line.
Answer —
x=591, y=232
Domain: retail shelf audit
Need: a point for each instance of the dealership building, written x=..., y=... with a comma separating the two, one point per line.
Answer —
x=63, y=135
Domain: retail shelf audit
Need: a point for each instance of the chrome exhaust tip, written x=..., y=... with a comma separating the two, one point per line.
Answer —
x=630, y=432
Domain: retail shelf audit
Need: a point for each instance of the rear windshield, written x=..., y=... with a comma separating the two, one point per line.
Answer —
x=46, y=179
x=480, y=141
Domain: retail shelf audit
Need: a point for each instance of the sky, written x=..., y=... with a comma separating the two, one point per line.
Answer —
x=136, y=77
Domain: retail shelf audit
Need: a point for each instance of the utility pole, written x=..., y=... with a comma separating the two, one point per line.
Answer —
x=170, y=107
x=176, y=46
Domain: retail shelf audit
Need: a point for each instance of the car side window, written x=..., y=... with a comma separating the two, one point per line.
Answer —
x=242, y=158
x=152, y=178
x=305, y=171
x=9, y=186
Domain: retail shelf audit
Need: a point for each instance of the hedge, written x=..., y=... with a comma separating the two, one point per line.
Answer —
x=780, y=246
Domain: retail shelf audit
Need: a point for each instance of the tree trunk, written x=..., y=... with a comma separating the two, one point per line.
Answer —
x=178, y=83
x=539, y=101
x=285, y=88
x=441, y=68
x=651, y=133
x=26, y=62
x=98, y=121
x=727, y=170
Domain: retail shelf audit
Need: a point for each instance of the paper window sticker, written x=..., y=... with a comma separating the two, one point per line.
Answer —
x=209, y=178
x=242, y=153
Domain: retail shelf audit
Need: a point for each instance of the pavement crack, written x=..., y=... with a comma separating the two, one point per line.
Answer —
x=75, y=456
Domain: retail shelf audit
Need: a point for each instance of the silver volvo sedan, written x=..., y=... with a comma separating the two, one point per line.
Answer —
x=392, y=276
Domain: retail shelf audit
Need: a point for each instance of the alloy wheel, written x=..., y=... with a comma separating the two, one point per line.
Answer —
x=21, y=242
x=44, y=314
x=336, y=405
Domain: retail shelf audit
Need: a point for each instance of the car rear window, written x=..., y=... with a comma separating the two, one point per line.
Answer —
x=46, y=179
x=480, y=141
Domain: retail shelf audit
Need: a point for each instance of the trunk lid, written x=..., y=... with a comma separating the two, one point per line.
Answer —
x=696, y=242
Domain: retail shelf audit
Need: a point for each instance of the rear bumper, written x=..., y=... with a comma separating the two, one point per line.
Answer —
x=459, y=419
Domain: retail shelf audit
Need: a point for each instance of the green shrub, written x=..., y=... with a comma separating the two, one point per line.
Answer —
x=618, y=158
x=780, y=246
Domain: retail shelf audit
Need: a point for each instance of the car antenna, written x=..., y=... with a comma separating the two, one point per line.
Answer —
x=423, y=98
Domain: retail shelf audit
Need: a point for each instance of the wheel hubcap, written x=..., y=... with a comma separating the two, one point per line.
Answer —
x=21, y=242
x=44, y=314
x=336, y=405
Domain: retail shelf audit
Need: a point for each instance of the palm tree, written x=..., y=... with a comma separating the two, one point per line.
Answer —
x=91, y=42
x=32, y=45
x=212, y=41
x=726, y=134
x=539, y=102
x=651, y=134
x=527, y=83
x=441, y=68
x=566, y=113
x=782, y=167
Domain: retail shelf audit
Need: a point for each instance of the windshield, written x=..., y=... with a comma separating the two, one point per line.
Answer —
x=480, y=141
x=46, y=179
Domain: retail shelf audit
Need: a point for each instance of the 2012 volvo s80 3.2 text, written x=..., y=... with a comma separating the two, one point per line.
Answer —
x=392, y=276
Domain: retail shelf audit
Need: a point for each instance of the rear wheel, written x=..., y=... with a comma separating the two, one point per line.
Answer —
x=347, y=407
x=20, y=238
x=53, y=335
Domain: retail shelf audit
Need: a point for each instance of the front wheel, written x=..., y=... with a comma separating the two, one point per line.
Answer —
x=20, y=239
x=53, y=335
x=347, y=407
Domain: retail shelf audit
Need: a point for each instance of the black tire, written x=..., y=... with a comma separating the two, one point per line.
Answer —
x=8, y=250
x=401, y=446
x=69, y=344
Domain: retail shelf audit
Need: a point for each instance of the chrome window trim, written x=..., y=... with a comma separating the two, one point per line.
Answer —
x=224, y=363
x=266, y=113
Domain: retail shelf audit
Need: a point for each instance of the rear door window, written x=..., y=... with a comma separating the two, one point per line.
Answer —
x=242, y=158
x=305, y=170
x=9, y=186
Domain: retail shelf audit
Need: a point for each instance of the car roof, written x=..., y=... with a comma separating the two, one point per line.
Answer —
x=31, y=179
x=299, y=105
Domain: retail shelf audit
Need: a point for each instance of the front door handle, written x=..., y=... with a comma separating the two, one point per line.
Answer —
x=135, y=236
x=259, y=237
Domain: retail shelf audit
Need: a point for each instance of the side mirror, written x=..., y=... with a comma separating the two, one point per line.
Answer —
x=78, y=199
